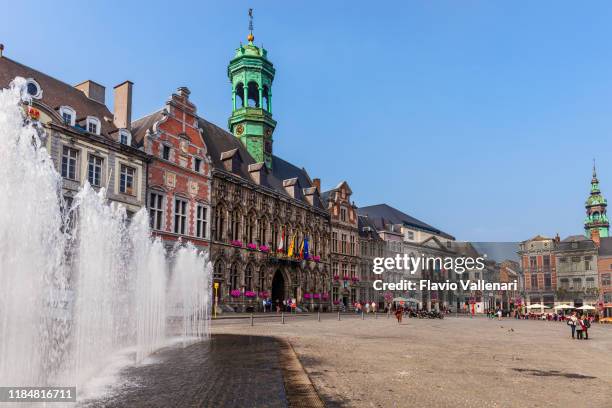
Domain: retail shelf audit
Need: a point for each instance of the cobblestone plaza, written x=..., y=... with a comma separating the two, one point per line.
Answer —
x=455, y=362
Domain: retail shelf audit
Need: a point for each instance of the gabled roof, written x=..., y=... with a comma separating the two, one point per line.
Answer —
x=366, y=227
x=383, y=214
x=219, y=141
x=575, y=242
x=56, y=93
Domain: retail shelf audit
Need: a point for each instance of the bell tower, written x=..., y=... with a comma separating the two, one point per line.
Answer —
x=251, y=75
x=595, y=205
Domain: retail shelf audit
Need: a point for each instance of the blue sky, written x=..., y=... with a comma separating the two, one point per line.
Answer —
x=479, y=117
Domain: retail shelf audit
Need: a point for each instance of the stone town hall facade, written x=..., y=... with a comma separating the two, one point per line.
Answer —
x=269, y=230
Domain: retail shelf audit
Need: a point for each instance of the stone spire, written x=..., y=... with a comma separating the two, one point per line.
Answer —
x=596, y=220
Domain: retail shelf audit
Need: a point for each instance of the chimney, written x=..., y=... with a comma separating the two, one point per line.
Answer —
x=317, y=183
x=557, y=238
x=1, y=49
x=595, y=237
x=92, y=90
x=123, y=105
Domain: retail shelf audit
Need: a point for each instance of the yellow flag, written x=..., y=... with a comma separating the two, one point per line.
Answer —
x=290, y=251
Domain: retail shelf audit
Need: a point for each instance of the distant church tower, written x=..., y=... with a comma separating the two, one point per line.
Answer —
x=251, y=75
x=597, y=219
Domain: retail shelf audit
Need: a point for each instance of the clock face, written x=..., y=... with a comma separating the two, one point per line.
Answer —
x=239, y=130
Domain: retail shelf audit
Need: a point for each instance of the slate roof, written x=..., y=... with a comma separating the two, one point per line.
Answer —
x=219, y=141
x=56, y=93
x=575, y=242
x=382, y=214
x=364, y=222
x=605, y=248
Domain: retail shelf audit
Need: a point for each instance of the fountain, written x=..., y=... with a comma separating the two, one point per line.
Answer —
x=81, y=283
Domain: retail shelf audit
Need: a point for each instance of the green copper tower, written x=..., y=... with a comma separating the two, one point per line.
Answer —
x=596, y=204
x=251, y=75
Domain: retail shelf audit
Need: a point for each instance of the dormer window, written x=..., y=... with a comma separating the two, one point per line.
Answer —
x=197, y=164
x=125, y=137
x=33, y=89
x=93, y=125
x=68, y=115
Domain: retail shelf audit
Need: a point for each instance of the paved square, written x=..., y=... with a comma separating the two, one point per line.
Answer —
x=455, y=362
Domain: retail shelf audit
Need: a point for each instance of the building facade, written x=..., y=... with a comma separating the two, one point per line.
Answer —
x=270, y=230
x=87, y=143
x=371, y=246
x=604, y=269
x=347, y=287
x=577, y=276
x=179, y=174
x=539, y=266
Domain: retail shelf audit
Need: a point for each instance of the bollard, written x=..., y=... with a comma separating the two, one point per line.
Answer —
x=283, y=317
x=318, y=315
x=251, y=319
x=362, y=316
x=338, y=315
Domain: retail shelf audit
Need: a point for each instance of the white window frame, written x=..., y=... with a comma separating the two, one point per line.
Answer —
x=128, y=136
x=70, y=111
x=89, y=158
x=69, y=157
x=134, y=179
x=181, y=215
x=201, y=221
x=93, y=120
x=154, y=210
x=39, y=94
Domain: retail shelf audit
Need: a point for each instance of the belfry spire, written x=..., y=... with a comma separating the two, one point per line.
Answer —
x=597, y=218
x=250, y=37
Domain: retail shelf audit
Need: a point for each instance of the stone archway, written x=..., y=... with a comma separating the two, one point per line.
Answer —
x=278, y=288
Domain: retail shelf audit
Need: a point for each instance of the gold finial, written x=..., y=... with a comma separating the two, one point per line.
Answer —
x=250, y=37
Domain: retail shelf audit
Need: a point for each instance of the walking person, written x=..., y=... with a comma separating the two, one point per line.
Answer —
x=579, y=328
x=586, y=324
x=399, y=313
x=499, y=314
x=571, y=322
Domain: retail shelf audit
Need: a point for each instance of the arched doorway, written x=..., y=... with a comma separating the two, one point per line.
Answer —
x=278, y=288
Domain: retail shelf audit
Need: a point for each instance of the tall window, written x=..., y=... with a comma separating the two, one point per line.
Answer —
x=335, y=268
x=352, y=245
x=234, y=282
x=180, y=216
x=534, y=281
x=577, y=283
x=126, y=182
x=334, y=241
x=165, y=152
x=69, y=163
x=547, y=281
x=94, y=170
x=248, y=278
x=606, y=279
x=201, y=221
x=197, y=164
x=590, y=282
x=343, y=243
x=262, y=279
x=546, y=263
x=343, y=214
x=533, y=265
x=156, y=210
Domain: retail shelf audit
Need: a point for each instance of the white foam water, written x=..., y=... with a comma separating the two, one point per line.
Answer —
x=80, y=286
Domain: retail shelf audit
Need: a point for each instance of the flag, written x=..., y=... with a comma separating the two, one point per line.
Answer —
x=281, y=244
x=291, y=245
x=305, y=244
x=301, y=254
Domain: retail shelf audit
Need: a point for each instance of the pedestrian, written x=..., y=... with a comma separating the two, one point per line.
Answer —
x=373, y=307
x=265, y=303
x=499, y=314
x=399, y=312
x=367, y=308
x=586, y=324
x=579, y=328
x=572, y=323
